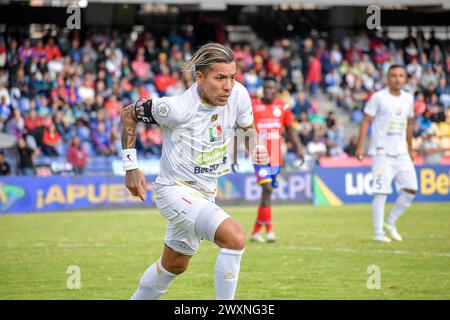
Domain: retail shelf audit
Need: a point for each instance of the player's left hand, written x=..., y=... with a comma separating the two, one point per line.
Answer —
x=260, y=155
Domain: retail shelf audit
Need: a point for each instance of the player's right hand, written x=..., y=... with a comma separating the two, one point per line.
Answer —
x=260, y=155
x=135, y=182
x=359, y=153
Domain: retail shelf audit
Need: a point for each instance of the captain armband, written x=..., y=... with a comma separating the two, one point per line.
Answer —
x=144, y=111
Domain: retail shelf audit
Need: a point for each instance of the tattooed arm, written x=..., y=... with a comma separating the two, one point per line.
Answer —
x=134, y=178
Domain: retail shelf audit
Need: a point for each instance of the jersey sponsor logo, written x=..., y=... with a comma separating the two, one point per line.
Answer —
x=214, y=155
x=396, y=128
x=268, y=124
x=269, y=135
x=180, y=212
x=263, y=173
x=277, y=112
x=162, y=110
x=183, y=246
x=191, y=183
x=210, y=169
x=215, y=133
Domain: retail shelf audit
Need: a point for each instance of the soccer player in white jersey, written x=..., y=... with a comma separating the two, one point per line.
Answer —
x=198, y=129
x=391, y=112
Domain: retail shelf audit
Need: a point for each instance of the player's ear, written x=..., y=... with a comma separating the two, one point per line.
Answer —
x=200, y=77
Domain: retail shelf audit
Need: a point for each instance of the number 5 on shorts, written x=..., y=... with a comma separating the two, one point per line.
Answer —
x=378, y=182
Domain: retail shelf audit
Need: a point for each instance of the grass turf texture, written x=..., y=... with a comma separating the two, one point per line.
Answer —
x=321, y=253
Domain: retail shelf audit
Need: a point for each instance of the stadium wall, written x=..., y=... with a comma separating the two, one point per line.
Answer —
x=342, y=185
x=58, y=193
x=326, y=186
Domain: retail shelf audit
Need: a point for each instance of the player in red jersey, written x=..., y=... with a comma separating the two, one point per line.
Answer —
x=271, y=115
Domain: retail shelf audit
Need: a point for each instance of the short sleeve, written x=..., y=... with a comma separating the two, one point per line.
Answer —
x=164, y=111
x=244, y=116
x=371, y=108
x=411, y=106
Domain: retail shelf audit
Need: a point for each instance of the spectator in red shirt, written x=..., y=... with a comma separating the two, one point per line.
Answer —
x=274, y=67
x=163, y=80
x=113, y=106
x=50, y=140
x=52, y=50
x=33, y=121
x=381, y=54
x=77, y=156
x=353, y=54
x=314, y=74
x=419, y=104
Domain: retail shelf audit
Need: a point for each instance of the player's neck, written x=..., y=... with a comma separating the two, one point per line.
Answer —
x=204, y=99
x=265, y=101
x=395, y=92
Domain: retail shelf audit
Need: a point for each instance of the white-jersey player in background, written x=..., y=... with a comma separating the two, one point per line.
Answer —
x=198, y=127
x=391, y=112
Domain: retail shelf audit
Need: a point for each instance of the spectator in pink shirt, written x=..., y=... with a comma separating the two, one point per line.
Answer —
x=140, y=67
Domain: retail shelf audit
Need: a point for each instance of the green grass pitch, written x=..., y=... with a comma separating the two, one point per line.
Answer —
x=321, y=253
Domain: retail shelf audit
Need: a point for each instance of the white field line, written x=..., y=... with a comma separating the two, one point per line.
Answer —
x=347, y=250
x=68, y=244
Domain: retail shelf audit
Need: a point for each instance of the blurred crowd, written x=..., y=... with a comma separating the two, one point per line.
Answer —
x=61, y=94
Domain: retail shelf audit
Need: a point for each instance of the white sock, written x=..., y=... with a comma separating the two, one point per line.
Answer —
x=378, y=202
x=153, y=283
x=226, y=274
x=402, y=203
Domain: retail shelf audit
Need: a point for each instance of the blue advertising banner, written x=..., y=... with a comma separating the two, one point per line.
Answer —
x=45, y=194
x=293, y=187
x=335, y=186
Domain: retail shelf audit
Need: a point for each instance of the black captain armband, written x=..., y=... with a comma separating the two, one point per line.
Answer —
x=144, y=111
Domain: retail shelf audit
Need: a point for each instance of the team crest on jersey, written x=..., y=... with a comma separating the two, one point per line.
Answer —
x=277, y=112
x=263, y=173
x=214, y=117
x=215, y=133
x=162, y=109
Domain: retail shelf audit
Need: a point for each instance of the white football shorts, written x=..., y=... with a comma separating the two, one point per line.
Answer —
x=399, y=168
x=191, y=217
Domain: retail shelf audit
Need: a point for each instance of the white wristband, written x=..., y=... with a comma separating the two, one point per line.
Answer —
x=129, y=158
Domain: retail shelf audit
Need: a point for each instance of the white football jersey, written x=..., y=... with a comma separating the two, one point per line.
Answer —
x=390, y=119
x=197, y=137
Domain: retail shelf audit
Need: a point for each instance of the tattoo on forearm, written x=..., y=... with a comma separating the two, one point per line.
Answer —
x=128, y=121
